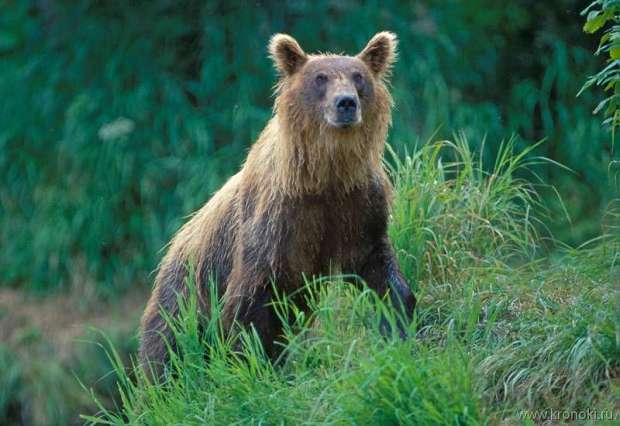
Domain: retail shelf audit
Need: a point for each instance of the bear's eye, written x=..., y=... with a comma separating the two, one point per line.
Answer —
x=358, y=78
x=320, y=79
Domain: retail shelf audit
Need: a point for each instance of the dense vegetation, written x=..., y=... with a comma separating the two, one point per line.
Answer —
x=493, y=341
x=118, y=119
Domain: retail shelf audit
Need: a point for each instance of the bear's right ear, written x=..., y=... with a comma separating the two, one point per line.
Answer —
x=286, y=53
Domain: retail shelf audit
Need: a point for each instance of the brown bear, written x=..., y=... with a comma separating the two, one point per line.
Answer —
x=312, y=195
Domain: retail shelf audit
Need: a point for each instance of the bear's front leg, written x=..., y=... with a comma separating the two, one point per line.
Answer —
x=382, y=274
x=248, y=303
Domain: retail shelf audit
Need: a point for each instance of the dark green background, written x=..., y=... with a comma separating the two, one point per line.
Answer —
x=119, y=118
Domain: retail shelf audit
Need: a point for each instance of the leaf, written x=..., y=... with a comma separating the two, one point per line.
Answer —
x=589, y=83
x=611, y=108
x=614, y=51
x=595, y=22
x=601, y=105
x=590, y=6
x=605, y=38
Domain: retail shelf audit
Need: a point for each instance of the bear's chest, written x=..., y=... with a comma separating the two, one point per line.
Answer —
x=335, y=230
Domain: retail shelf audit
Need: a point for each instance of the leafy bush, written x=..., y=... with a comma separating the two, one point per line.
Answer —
x=599, y=14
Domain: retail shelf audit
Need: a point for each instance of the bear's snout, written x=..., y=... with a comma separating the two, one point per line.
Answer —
x=346, y=106
x=345, y=111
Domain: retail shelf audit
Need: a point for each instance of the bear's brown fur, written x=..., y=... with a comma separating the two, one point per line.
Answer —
x=312, y=194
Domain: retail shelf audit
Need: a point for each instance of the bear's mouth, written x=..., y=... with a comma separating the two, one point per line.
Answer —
x=343, y=124
x=346, y=122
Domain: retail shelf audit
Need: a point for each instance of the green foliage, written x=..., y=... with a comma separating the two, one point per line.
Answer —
x=93, y=174
x=429, y=388
x=599, y=14
x=491, y=339
x=117, y=119
x=336, y=372
x=452, y=214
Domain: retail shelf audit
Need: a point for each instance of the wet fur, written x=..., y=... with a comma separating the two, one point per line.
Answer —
x=309, y=197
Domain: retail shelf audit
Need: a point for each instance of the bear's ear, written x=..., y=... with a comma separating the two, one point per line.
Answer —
x=286, y=53
x=380, y=53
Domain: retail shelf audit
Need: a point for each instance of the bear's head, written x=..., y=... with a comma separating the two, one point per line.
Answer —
x=336, y=92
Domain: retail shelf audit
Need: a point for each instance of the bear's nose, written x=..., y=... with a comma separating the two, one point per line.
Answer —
x=346, y=104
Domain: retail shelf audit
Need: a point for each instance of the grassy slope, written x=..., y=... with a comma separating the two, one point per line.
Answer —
x=497, y=331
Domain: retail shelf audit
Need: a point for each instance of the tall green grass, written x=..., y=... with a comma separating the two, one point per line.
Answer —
x=451, y=214
x=496, y=330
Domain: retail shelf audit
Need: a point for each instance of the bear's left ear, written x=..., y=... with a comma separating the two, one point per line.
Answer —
x=287, y=55
x=380, y=53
